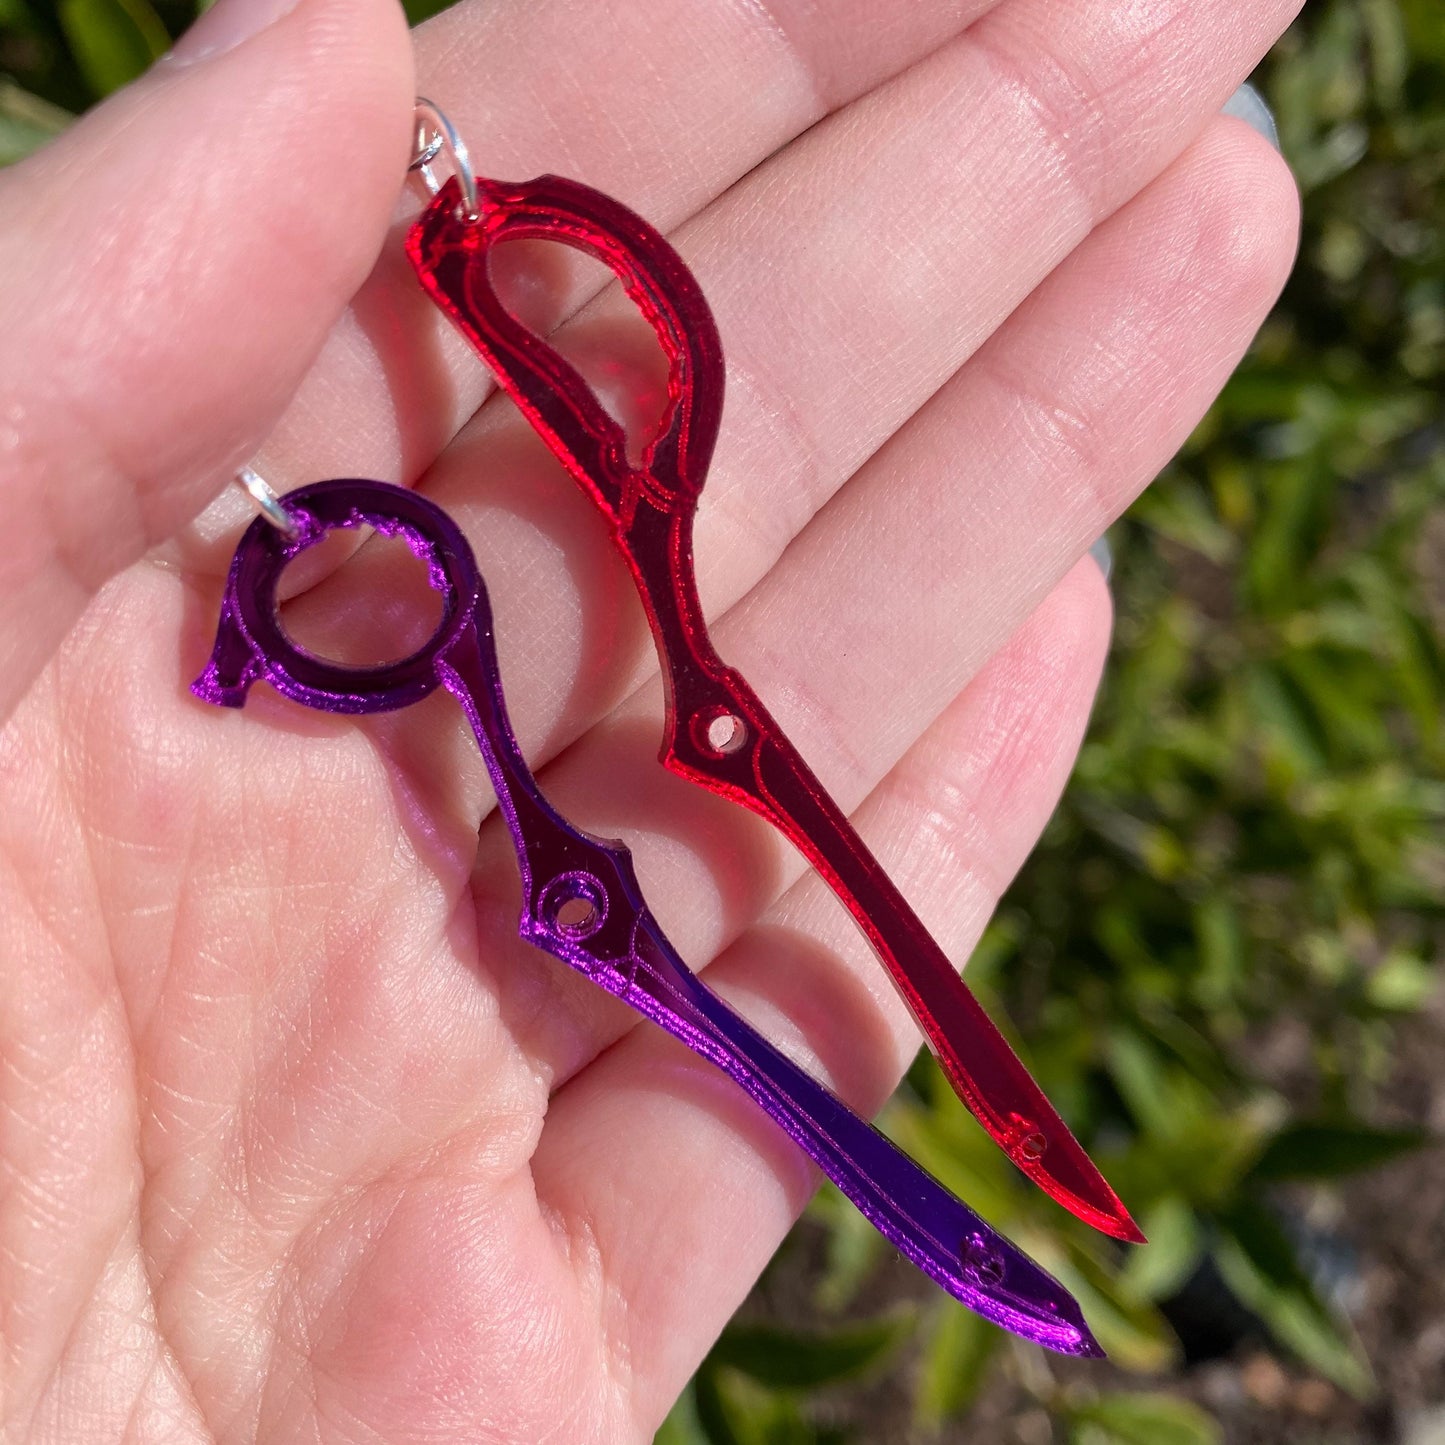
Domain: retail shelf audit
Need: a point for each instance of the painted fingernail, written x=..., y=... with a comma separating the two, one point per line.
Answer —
x=1103, y=554
x=227, y=24
x=1248, y=105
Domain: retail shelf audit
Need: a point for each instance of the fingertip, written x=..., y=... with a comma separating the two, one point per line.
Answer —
x=1249, y=205
x=1078, y=616
x=1063, y=648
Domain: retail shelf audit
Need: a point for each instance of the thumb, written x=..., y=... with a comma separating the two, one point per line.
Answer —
x=168, y=270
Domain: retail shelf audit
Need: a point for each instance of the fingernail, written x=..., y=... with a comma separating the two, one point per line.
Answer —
x=225, y=26
x=1248, y=105
x=1103, y=554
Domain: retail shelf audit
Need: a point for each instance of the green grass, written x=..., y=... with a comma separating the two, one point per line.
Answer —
x=1255, y=828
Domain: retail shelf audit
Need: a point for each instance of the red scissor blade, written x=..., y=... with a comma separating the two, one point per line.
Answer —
x=752, y=762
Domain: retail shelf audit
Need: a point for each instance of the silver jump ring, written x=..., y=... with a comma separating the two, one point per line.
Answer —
x=434, y=134
x=267, y=502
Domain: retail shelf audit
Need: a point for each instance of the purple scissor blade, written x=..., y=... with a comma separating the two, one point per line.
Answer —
x=911, y=1209
x=616, y=942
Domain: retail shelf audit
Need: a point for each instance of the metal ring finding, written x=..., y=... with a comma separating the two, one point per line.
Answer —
x=267, y=502
x=435, y=133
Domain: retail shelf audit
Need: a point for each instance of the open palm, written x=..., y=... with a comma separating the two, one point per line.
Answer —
x=296, y=1140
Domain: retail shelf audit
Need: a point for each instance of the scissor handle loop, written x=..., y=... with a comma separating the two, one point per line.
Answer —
x=252, y=643
x=451, y=258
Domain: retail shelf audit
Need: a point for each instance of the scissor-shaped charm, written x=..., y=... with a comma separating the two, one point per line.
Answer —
x=580, y=897
x=717, y=732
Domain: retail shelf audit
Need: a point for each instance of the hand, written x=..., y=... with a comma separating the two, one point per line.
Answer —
x=297, y=1140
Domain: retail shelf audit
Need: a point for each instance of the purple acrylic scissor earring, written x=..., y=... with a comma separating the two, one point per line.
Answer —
x=580, y=896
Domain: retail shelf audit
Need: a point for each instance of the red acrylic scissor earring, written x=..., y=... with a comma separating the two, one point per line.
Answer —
x=717, y=731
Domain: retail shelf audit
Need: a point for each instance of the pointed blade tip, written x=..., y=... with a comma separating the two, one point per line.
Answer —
x=1131, y=1233
x=1119, y=1224
x=1107, y=1216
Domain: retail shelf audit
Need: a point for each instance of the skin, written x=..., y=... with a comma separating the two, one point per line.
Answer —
x=296, y=1141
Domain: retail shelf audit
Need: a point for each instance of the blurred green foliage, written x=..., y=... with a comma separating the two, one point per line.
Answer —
x=1255, y=829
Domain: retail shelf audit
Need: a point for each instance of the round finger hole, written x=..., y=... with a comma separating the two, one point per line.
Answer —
x=575, y=905
x=365, y=599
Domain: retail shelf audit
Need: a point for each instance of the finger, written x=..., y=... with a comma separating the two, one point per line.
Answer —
x=168, y=270
x=880, y=281
x=897, y=591
x=670, y=1186
x=663, y=104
